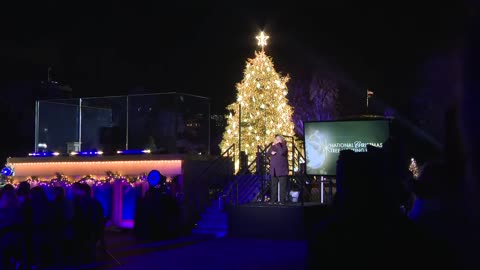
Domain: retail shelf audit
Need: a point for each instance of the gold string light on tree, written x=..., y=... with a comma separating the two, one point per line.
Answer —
x=264, y=112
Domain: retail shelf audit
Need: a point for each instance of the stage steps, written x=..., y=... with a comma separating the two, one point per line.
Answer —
x=213, y=221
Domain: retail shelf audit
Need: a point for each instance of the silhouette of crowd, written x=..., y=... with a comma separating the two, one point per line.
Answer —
x=41, y=232
x=383, y=218
x=157, y=214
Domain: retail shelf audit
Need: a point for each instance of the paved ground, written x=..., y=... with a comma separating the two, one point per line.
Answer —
x=200, y=252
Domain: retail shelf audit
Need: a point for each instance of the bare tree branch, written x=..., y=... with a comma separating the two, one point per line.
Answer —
x=313, y=100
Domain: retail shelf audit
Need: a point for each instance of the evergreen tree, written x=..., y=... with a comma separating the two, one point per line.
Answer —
x=261, y=110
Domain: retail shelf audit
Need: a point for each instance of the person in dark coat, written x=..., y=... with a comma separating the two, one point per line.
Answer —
x=41, y=227
x=8, y=187
x=11, y=236
x=278, y=153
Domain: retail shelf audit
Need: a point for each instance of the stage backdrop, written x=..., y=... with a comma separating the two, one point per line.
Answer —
x=325, y=140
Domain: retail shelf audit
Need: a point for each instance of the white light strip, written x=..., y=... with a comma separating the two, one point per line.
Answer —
x=96, y=162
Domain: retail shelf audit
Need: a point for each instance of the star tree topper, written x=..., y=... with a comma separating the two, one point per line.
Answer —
x=262, y=40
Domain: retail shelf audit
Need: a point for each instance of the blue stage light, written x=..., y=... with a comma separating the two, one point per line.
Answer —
x=44, y=154
x=7, y=171
x=87, y=153
x=154, y=178
x=133, y=152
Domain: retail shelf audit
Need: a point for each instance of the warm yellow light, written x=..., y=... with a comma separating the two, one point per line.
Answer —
x=75, y=168
x=94, y=162
x=237, y=165
x=262, y=96
x=262, y=39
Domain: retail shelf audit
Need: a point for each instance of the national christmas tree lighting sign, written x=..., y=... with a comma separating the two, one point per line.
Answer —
x=325, y=140
x=357, y=146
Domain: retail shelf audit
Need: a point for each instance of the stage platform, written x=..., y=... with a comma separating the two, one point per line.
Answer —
x=291, y=221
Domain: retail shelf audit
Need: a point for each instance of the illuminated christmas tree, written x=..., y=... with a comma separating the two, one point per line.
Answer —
x=261, y=110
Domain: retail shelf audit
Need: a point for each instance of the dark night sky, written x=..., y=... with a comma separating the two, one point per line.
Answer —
x=109, y=47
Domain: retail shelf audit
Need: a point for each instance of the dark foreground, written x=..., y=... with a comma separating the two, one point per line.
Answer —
x=198, y=252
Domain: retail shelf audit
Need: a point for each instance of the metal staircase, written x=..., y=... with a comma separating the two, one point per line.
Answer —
x=251, y=184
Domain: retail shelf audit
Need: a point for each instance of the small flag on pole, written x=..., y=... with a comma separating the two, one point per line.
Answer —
x=369, y=93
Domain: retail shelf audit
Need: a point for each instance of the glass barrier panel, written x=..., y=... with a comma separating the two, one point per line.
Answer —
x=103, y=122
x=169, y=123
x=163, y=123
x=58, y=125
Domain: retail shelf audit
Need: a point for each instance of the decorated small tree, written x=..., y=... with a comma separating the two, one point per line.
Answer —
x=413, y=168
x=261, y=110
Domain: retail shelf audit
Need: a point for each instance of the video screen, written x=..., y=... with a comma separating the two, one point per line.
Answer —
x=325, y=140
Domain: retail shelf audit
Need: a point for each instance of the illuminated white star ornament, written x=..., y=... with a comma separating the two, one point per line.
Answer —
x=262, y=39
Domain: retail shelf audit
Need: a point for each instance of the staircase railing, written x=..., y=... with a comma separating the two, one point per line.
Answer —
x=228, y=153
x=222, y=168
x=255, y=176
x=262, y=169
x=299, y=180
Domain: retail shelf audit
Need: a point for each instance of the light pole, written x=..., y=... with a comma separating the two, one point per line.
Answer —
x=239, y=131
